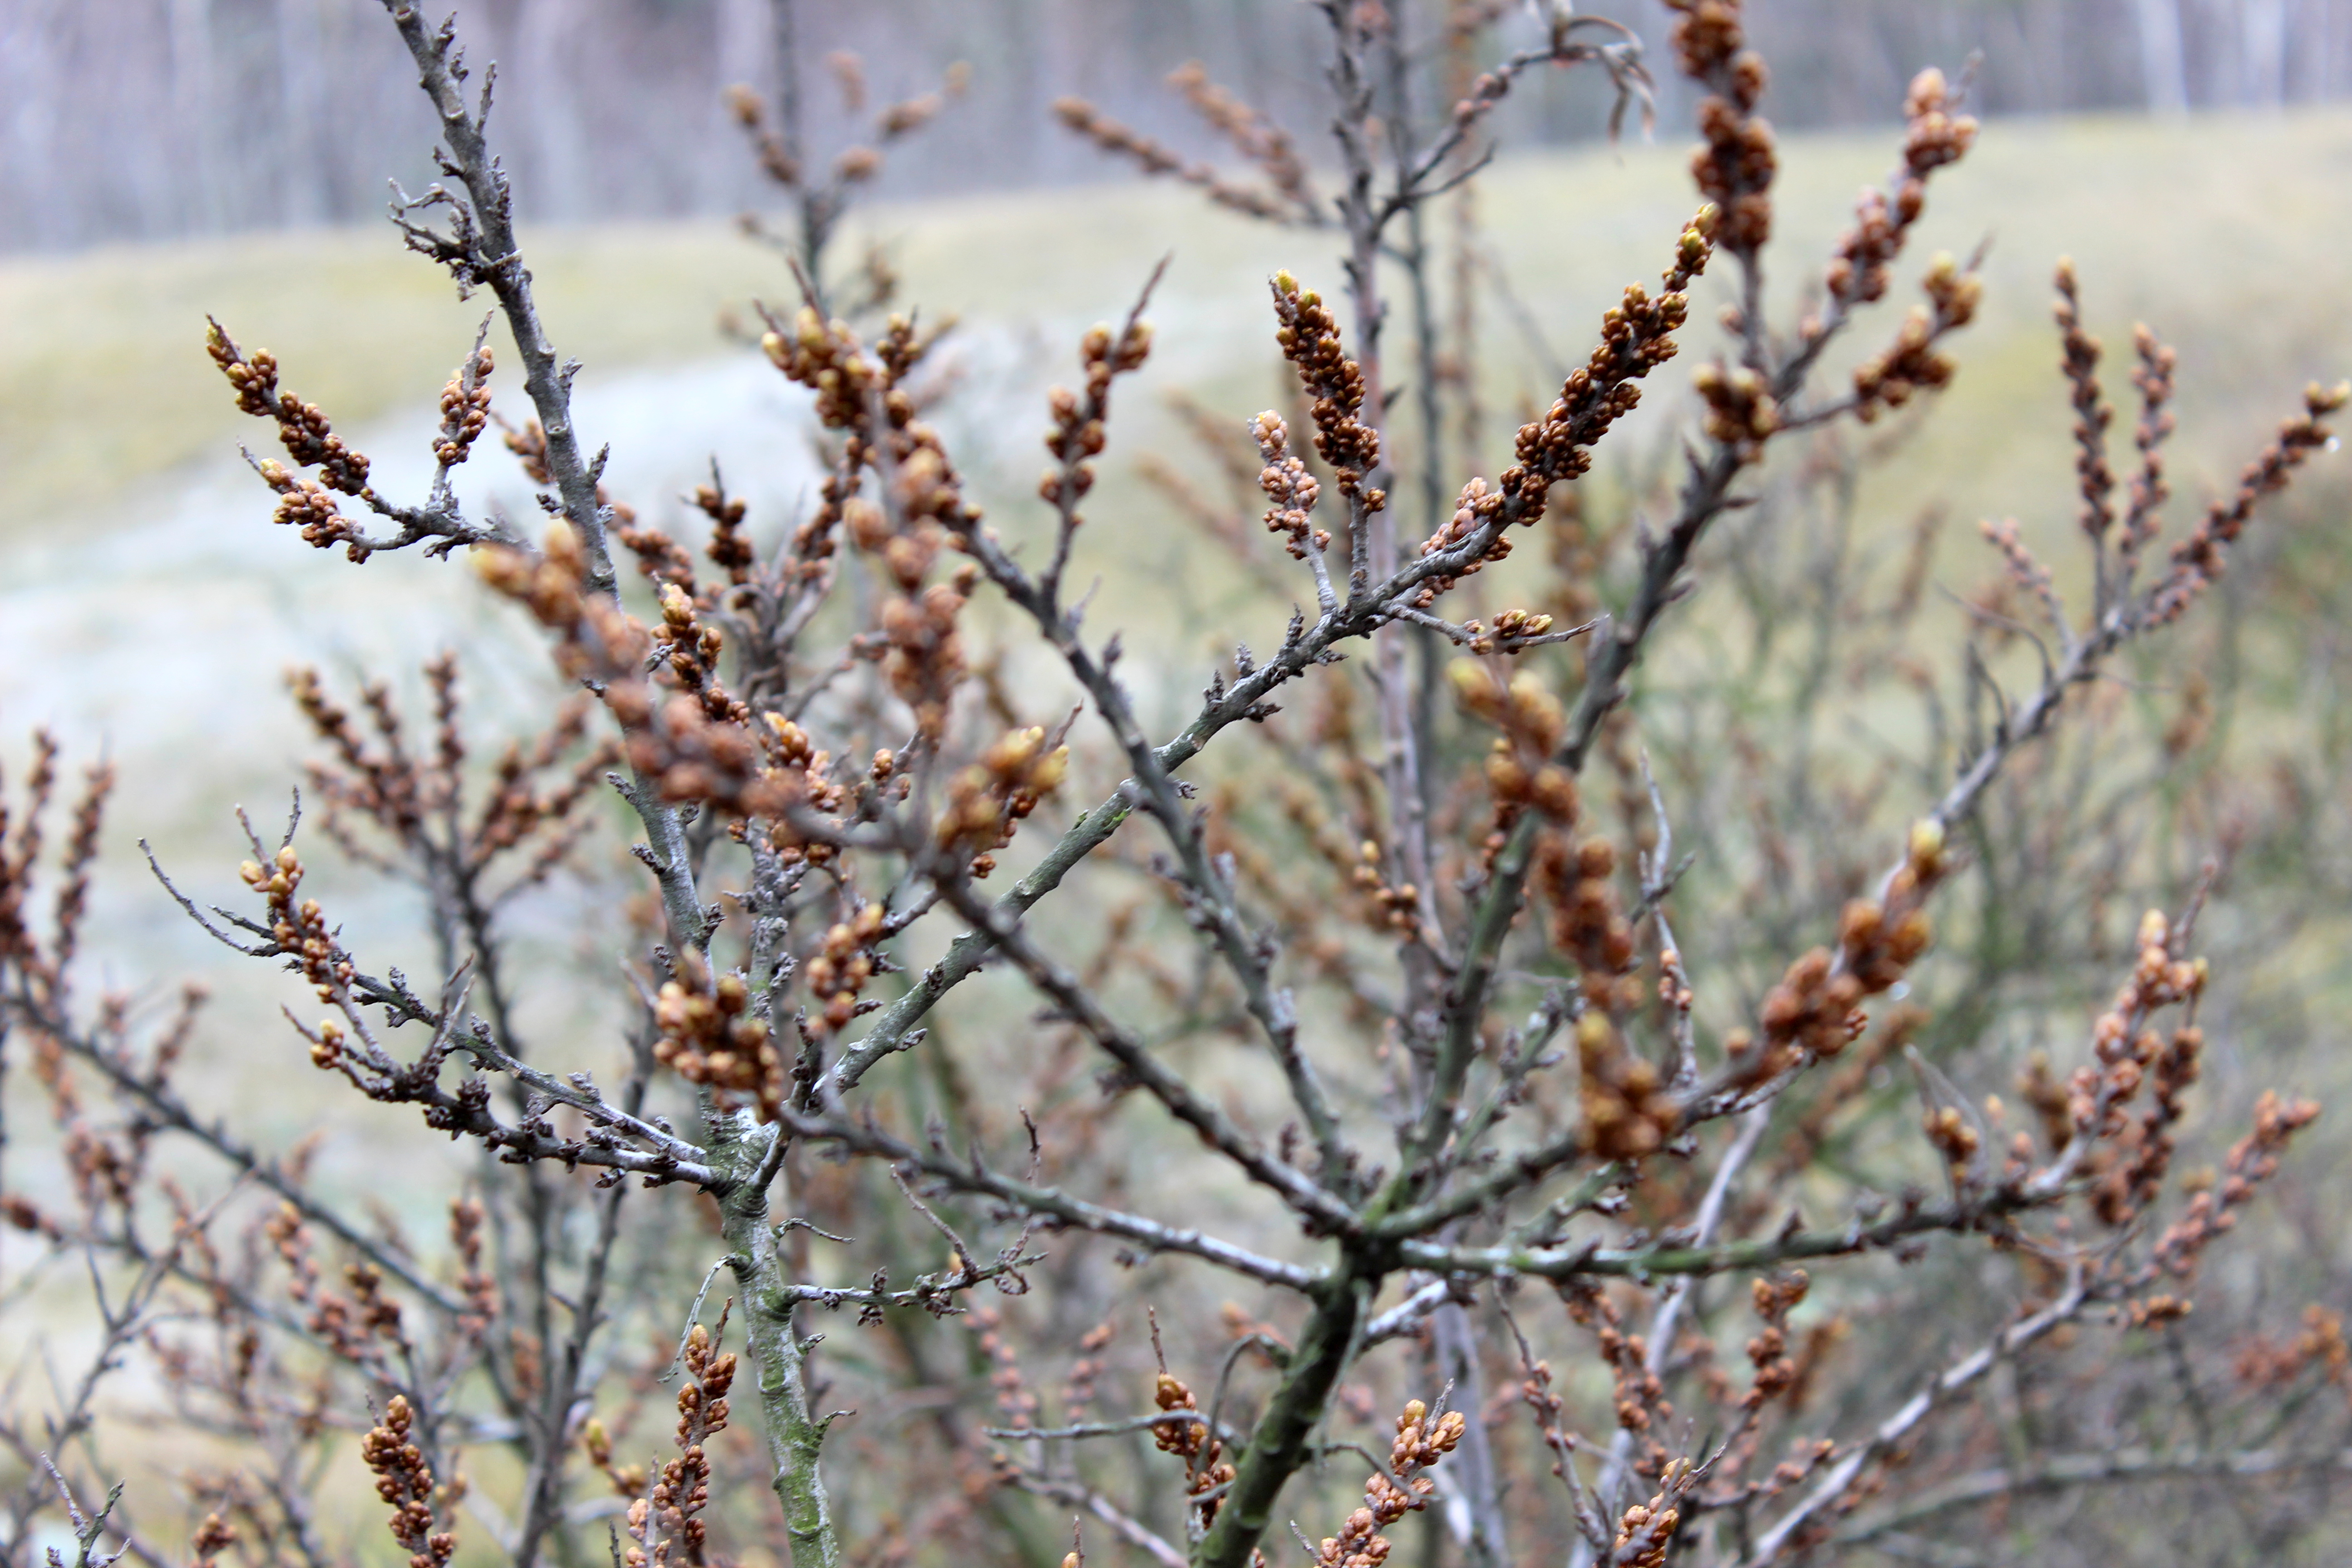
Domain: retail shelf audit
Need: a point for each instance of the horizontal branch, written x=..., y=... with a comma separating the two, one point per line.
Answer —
x=1957, y=1215
x=1508, y=1174
x=1077, y=1494
x=686, y=1158
x=1409, y=1314
x=2062, y=1471
x=1048, y=1202
x=1103, y=1428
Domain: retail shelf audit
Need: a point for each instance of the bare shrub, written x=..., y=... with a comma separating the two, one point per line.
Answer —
x=1536, y=1030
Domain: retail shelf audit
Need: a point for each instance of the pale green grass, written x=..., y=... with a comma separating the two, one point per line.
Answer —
x=2232, y=235
x=103, y=377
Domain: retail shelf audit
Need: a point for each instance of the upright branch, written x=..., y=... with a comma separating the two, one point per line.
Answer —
x=479, y=250
x=822, y=197
x=405, y=1481
x=1309, y=337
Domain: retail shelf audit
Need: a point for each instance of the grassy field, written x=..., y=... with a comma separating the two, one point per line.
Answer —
x=2230, y=235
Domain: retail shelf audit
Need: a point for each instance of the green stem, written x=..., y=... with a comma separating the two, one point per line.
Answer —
x=1279, y=1445
x=893, y=1027
x=794, y=1434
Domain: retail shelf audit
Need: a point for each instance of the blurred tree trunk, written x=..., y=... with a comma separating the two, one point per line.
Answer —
x=740, y=52
x=543, y=76
x=784, y=68
x=2261, y=52
x=28, y=63
x=305, y=195
x=192, y=106
x=2164, y=64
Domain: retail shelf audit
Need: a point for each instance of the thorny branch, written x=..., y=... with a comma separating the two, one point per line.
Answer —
x=842, y=804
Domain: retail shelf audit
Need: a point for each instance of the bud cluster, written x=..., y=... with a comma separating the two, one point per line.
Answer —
x=2152, y=377
x=358, y=1328
x=1910, y=364
x=1937, y=135
x=1578, y=880
x=1636, y=336
x=1206, y=1469
x=305, y=431
x=1291, y=490
x=1741, y=412
x=1814, y=1013
x=1155, y=157
x=844, y=964
x=2197, y=561
x=1511, y=628
x=1077, y=432
x=1520, y=768
x=1646, y=1531
x=864, y=398
x=2126, y=1048
x=1252, y=135
x=1310, y=339
x=2253, y=1160
x=661, y=560
x=300, y=928
x=1419, y=1445
x=689, y=649
x=1627, y=1111
x=729, y=549
x=405, y=1482
x=669, y=1512
x=596, y=641
x=1736, y=168
x=480, y=1292
x=1769, y=1351
x=2026, y=569
x=303, y=504
x=465, y=409
x=2079, y=358
x=1641, y=1403
x=213, y=1535
x=1016, y=1401
x=710, y=1036
x=987, y=800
